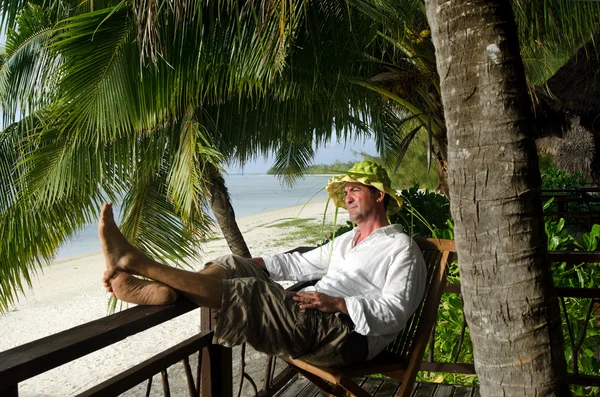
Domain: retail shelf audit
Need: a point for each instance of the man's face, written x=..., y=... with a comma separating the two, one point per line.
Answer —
x=360, y=202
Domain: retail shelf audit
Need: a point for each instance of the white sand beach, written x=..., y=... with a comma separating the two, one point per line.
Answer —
x=69, y=293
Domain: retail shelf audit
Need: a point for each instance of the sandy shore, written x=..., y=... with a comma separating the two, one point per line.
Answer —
x=69, y=293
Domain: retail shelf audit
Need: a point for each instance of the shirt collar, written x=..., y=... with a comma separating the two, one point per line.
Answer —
x=389, y=230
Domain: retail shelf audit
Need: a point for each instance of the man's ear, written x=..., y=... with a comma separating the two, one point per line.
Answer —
x=381, y=196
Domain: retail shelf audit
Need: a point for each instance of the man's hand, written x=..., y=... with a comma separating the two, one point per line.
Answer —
x=319, y=301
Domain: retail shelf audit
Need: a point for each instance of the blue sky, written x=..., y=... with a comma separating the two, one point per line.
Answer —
x=324, y=155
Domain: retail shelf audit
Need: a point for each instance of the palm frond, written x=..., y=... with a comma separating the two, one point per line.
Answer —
x=188, y=173
x=96, y=74
x=152, y=221
x=292, y=159
x=25, y=74
x=31, y=230
x=31, y=234
x=553, y=26
x=404, y=144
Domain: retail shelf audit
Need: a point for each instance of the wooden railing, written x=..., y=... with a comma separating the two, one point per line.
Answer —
x=213, y=375
x=579, y=207
x=575, y=341
x=31, y=359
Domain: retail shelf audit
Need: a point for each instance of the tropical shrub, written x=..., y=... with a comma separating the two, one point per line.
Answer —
x=423, y=211
x=557, y=178
x=581, y=316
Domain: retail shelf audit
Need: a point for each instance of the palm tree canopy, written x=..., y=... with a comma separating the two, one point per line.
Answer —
x=140, y=99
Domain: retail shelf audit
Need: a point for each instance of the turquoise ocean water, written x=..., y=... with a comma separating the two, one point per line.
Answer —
x=250, y=194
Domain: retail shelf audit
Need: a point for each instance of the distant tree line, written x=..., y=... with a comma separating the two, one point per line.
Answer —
x=412, y=171
x=336, y=168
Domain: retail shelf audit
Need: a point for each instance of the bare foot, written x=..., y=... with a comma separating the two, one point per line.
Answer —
x=141, y=292
x=121, y=258
x=119, y=255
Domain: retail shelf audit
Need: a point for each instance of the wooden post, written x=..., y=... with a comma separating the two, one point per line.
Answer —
x=216, y=370
x=207, y=319
x=10, y=390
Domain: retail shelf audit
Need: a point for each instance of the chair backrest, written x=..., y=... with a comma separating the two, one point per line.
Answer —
x=409, y=345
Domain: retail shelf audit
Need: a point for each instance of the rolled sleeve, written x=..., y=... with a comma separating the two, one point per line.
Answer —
x=295, y=266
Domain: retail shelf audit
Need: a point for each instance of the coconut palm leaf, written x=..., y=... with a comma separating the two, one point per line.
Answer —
x=25, y=83
x=292, y=159
x=555, y=26
x=31, y=234
x=31, y=230
x=152, y=221
x=404, y=144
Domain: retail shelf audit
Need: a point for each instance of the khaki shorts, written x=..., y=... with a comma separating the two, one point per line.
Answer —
x=260, y=312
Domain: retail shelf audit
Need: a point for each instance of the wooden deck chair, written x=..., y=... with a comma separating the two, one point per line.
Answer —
x=401, y=358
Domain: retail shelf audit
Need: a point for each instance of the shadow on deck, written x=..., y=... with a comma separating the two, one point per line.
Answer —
x=302, y=387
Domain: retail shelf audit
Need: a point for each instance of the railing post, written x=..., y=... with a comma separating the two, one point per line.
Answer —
x=216, y=370
x=207, y=319
x=10, y=390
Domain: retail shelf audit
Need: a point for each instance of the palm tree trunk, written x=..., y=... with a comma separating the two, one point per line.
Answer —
x=509, y=300
x=220, y=204
x=440, y=154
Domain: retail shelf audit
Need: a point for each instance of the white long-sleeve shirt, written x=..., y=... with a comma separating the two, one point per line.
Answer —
x=382, y=279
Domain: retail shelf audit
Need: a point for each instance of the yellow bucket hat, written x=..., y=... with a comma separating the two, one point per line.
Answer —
x=370, y=174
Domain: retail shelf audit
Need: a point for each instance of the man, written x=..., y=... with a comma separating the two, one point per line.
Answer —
x=372, y=280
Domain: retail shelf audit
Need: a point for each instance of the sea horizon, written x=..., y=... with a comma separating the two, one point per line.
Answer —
x=250, y=193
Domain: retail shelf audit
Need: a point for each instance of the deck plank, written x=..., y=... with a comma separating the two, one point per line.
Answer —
x=388, y=388
x=424, y=389
x=311, y=390
x=371, y=385
x=302, y=387
x=444, y=391
x=465, y=391
x=295, y=389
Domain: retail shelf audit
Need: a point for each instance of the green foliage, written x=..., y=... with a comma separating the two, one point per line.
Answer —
x=291, y=222
x=582, y=314
x=589, y=241
x=423, y=211
x=579, y=208
x=557, y=236
x=413, y=168
x=445, y=233
x=557, y=178
x=319, y=169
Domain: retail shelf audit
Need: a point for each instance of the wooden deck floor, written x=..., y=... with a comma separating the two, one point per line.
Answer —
x=385, y=388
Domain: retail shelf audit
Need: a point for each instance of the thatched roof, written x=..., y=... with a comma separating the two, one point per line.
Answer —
x=576, y=151
x=575, y=88
x=568, y=106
